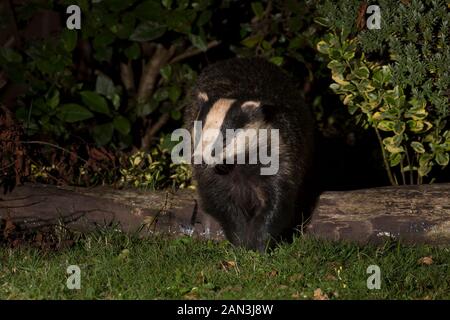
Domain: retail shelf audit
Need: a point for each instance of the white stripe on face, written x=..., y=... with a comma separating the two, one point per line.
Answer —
x=213, y=123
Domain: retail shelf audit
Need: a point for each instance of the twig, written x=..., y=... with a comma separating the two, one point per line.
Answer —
x=150, y=133
x=386, y=164
x=402, y=171
x=47, y=144
x=16, y=36
x=193, y=51
x=151, y=71
x=127, y=76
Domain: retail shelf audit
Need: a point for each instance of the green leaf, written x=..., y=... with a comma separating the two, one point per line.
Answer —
x=277, y=60
x=167, y=3
x=115, y=99
x=148, y=31
x=418, y=126
x=103, y=133
x=204, y=17
x=122, y=125
x=416, y=113
x=348, y=55
x=53, y=102
x=362, y=72
x=348, y=99
x=425, y=164
x=334, y=54
x=183, y=4
x=150, y=11
x=392, y=146
x=399, y=127
x=103, y=39
x=395, y=159
x=418, y=147
x=10, y=55
x=133, y=52
x=252, y=41
x=175, y=114
x=323, y=47
x=198, y=42
x=95, y=102
x=69, y=39
x=424, y=159
x=105, y=86
x=174, y=93
x=335, y=86
x=258, y=9
x=442, y=158
x=166, y=72
x=382, y=76
x=322, y=21
x=161, y=94
x=144, y=109
x=72, y=112
x=386, y=125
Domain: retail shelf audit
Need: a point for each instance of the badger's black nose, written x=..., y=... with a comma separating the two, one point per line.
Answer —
x=223, y=169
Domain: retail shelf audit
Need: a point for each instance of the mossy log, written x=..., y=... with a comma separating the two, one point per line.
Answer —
x=412, y=214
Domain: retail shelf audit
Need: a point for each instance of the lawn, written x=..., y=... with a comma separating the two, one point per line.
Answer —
x=118, y=266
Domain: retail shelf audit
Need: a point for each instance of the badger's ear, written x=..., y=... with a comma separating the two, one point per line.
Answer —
x=250, y=105
x=202, y=96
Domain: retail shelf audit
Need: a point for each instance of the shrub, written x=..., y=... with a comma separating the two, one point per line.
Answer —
x=123, y=78
x=395, y=80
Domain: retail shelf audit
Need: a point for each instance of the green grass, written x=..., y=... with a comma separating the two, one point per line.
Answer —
x=116, y=266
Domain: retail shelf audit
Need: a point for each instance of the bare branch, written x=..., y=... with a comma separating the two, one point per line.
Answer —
x=151, y=71
x=193, y=51
x=127, y=76
x=151, y=132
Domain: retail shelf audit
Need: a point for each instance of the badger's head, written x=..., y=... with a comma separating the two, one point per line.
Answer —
x=228, y=131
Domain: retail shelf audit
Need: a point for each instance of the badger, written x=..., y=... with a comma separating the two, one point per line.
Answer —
x=254, y=209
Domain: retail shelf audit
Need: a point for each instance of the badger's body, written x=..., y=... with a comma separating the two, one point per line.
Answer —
x=252, y=208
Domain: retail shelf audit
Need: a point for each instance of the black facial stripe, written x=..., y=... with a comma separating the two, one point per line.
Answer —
x=205, y=107
x=236, y=118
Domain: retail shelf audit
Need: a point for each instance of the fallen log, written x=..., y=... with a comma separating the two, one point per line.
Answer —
x=412, y=214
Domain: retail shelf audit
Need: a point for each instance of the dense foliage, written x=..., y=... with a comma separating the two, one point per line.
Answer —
x=85, y=101
x=396, y=80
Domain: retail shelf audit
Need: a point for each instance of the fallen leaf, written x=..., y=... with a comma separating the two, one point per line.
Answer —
x=272, y=273
x=296, y=277
x=9, y=227
x=231, y=289
x=39, y=238
x=330, y=277
x=192, y=295
x=425, y=260
x=201, y=278
x=361, y=18
x=227, y=265
x=149, y=221
x=319, y=295
x=124, y=254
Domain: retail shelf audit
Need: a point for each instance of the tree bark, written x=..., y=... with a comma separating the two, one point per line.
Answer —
x=412, y=214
